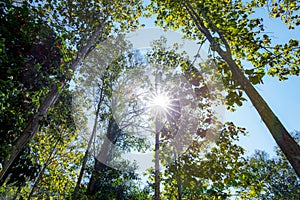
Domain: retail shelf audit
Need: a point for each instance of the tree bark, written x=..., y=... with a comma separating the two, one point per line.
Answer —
x=178, y=176
x=157, y=171
x=288, y=145
x=34, y=124
x=85, y=158
x=104, y=156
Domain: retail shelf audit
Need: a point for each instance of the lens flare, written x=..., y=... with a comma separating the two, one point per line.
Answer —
x=161, y=101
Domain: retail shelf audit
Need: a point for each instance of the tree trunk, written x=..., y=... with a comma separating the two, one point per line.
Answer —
x=104, y=156
x=178, y=176
x=38, y=178
x=30, y=131
x=34, y=123
x=287, y=144
x=157, y=171
x=85, y=158
x=282, y=137
x=179, y=187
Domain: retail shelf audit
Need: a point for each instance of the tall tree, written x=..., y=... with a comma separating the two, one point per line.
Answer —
x=115, y=141
x=96, y=79
x=94, y=85
x=231, y=33
x=187, y=113
x=57, y=151
x=30, y=64
x=86, y=29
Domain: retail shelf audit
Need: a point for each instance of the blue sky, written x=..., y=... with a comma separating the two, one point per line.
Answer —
x=282, y=96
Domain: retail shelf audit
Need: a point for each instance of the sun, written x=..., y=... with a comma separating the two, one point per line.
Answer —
x=160, y=105
x=161, y=100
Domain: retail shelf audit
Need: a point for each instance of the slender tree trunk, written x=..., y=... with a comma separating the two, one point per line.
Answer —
x=34, y=123
x=104, y=156
x=178, y=177
x=157, y=171
x=284, y=140
x=38, y=178
x=179, y=186
x=85, y=158
x=84, y=161
x=29, y=132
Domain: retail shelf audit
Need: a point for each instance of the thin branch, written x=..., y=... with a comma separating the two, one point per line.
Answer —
x=198, y=53
x=34, y=124
x=220, y=33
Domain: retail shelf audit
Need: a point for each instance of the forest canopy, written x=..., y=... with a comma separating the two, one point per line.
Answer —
x=85, y=114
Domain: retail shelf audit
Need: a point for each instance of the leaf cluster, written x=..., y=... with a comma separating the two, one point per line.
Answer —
x=30, y=64
x=231, y=26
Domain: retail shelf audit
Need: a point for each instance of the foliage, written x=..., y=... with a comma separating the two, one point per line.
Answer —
x=56, y=148
x=274, y=176
x=52, y=37
x=115, y=184
x=209, y=172
x=76, y=21
x=286, y=10
x=40, y=14
x=30, y=63
x=94, y=88
x=238, y=31
x=222, y=171
x=55, y=154
x=235, y=37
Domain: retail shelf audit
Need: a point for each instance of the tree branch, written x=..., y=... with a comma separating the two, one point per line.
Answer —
x=284, y=140
x=34, y=124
